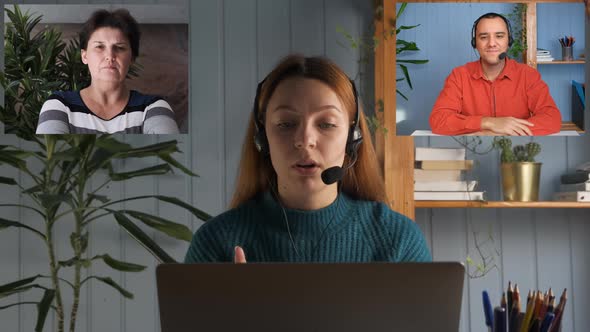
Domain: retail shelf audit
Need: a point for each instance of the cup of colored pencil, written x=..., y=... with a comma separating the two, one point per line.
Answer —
x=542, y=312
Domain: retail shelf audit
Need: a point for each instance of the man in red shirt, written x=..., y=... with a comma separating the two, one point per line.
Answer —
x=495, y=95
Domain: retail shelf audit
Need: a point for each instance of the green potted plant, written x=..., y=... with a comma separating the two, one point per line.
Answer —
x=368, y=45
x=55, y=173
x=520, y=173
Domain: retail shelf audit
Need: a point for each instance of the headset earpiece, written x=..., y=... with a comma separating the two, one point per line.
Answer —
x=355, y=137
x=260, y=140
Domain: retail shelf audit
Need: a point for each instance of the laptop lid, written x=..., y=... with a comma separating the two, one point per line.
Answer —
x=310, y=297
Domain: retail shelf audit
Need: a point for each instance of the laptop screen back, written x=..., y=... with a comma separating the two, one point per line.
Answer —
x=310, y=297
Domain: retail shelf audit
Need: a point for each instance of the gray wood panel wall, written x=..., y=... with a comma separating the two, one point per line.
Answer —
x=234, y=43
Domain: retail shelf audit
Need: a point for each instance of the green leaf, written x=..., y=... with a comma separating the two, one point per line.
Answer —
x=153, y=170
x=16, y=284
x=196, y=212
x=7, y=158
x=401, y=94
x=417, y=62
x=120, y=265
x=41, y=214
x=5, y=223
x=110, y=144
x=406, y=27
x=34, y=189
x=172, y=200
x=43, y=308
x=150, y=150
x=50, y=201
x=165, y=226
x=101, y=198
x=79, y=242
x=406, y=75
x=167, y=158
x=8, y=181
x=401, y=10
x=143, y=239
x=72, y=154
x=112, y=283
x=73, y=261
x=84, y=242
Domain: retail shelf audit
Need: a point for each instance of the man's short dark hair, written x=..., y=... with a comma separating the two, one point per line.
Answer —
x=118, y=19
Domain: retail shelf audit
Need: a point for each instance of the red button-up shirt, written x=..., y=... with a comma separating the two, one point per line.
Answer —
x=518, y=92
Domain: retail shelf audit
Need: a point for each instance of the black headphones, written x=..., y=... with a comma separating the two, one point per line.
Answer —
x=354, y=140
x=492, y=15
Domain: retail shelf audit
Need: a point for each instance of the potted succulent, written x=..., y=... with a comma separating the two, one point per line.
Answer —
x=519, y=171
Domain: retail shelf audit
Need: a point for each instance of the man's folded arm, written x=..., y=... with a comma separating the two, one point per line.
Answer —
x=446, y=117
x=544, y=113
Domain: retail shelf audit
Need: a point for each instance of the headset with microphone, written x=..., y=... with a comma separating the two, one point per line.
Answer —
x=493, y=15
x=329, y=176
x=353, y=141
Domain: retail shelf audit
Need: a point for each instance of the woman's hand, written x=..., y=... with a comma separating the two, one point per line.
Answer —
x=239, y=255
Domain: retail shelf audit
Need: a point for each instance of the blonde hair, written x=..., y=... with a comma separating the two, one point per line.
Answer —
x=256, y=174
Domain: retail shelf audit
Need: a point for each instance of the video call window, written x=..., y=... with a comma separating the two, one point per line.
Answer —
x=155, y=96
x=444, y=39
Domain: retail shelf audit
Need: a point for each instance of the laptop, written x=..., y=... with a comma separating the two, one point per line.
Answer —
x=310, y=297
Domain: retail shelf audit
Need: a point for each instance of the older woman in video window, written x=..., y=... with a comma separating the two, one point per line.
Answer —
x=109, y=44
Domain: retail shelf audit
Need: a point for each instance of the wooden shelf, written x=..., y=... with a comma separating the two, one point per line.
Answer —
x=559, y=62
x=501, y=204
x=567, y=126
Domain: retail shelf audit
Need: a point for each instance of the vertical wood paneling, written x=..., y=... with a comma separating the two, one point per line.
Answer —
x=482, y=227
x=307, y=27
x=174, y=185
x=273, y=24
x=234, y=44
x=206, y=105
x=10, y=253
x=519, y=248
x=580, y=252
x=34, y=258
x=553, y=254
x=106, y=311
x=344, y=14
x=448, y=227
x=240, y=45
x=140, y=284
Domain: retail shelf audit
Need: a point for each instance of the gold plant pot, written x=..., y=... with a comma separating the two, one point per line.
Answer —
x=520, y=181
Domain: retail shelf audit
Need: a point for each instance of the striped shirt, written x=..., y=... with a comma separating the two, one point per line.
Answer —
x=64, y=112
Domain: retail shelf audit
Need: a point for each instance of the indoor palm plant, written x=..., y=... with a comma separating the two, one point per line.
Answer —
x=62, y=178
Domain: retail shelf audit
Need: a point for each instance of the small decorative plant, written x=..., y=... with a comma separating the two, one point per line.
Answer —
x=516, y=18
x=520, y=153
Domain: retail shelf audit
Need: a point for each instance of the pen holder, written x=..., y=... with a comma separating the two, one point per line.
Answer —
x=567, y=53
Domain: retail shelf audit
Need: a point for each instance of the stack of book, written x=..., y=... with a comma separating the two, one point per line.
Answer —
x=544, y=55
x=438, y=176
x=575, y=186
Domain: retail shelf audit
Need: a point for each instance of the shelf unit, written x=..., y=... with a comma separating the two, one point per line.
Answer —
x=559, y=62
x=500, y=204
x=530, y=55
x=396, y=153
